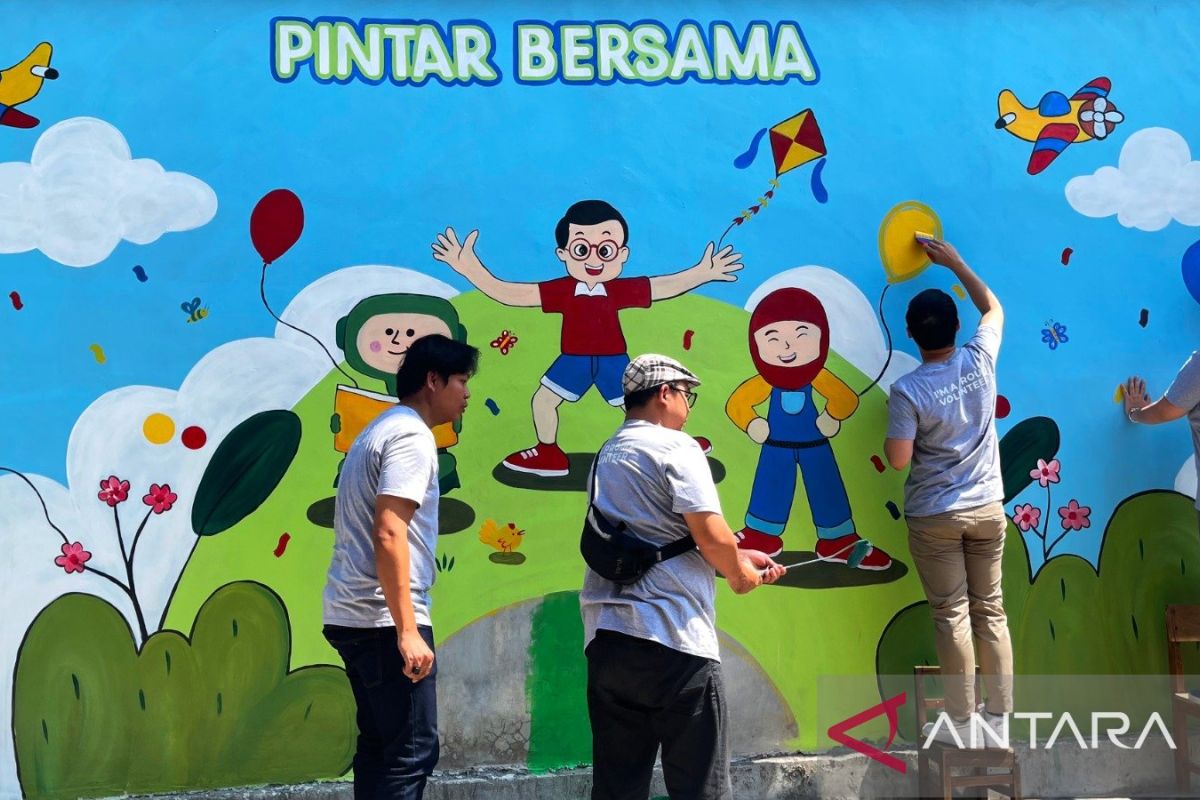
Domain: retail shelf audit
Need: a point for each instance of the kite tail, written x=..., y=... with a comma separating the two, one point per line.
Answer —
x=888, y=336
x=763, y=200
x=747, y=158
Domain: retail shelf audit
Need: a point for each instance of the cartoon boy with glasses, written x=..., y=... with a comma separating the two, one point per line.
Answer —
x=592, y=238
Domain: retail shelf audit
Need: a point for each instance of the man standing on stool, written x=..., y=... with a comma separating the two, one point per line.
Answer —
x=376, y=606
x=654, y=671
x=942, y=420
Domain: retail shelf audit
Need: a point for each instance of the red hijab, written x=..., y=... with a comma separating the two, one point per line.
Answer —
x=800, y=305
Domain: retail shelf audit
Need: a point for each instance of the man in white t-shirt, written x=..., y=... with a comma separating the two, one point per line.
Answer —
x=376, y=605
x=654, y=671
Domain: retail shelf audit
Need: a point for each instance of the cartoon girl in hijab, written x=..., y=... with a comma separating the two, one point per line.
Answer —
x=789, y=343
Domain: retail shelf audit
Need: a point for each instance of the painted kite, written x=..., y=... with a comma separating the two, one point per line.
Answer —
x=794, y=142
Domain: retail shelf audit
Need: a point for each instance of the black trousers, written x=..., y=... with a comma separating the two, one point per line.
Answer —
x=642, y=695
x=397, y=719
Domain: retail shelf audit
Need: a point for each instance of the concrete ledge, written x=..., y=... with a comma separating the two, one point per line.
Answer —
x=1061, y=772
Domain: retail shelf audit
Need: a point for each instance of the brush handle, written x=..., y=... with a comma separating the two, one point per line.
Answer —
x=813, y=560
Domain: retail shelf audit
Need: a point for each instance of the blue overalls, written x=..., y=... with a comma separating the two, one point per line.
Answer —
x=794, y=441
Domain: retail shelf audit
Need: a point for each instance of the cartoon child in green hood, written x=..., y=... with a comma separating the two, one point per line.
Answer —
x=375, y=336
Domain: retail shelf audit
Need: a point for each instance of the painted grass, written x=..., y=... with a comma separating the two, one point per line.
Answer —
x=798, y=635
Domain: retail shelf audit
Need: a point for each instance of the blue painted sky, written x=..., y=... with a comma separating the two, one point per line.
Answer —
x=906, y=100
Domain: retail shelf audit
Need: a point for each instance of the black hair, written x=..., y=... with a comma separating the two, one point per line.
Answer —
x=932, y=319
x=434, y=353
x=641, y=397
x=588, y=212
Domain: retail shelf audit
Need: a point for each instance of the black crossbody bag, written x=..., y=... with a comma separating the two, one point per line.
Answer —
x=613, y=552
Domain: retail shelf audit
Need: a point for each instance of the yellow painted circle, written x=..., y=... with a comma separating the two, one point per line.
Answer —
x=158, y=428
x=901, y=254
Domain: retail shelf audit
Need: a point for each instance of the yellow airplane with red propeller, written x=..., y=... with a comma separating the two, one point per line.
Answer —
x=1057, y=120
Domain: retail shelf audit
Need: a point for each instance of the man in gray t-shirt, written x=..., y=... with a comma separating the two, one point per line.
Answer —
x=941, y=418
x=376, y=607
x=947, y=407
x=654, y=673
x=1182, y=398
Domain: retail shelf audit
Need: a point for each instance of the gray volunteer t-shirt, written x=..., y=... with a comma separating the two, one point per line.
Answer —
x=1185, y=393
x=648, y=477
x=949, y=409
x=395, y=455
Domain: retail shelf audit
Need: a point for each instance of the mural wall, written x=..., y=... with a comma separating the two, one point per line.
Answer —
x=221, y=226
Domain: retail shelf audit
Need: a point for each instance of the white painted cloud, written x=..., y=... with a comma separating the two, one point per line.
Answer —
x=854, y=331
x=1155, y=181
x=226, y=386
x=82, y=193
x=323, y=302
x=1185, y=480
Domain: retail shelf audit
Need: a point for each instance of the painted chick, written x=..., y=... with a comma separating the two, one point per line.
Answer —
x=505, y=539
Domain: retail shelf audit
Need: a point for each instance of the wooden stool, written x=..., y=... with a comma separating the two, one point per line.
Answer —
x=1183, y=625
x=947, y=760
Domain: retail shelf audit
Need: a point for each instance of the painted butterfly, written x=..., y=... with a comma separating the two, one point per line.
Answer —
x=504, y=342
x=1054, y=334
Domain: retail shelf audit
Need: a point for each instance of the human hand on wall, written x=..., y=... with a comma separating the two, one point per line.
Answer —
x=1136, y=394
x=758, y=430
x=418, y=658
x=460, y=257
x=942, y=253
x=827, y=425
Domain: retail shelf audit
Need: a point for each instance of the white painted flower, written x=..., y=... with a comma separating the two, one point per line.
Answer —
x=1101, y=116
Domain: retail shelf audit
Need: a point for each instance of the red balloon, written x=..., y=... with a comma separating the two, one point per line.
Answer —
x=276, y=223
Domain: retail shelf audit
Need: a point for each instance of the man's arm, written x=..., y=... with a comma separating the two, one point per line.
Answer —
x=898, y=451
x=462, y=259
x=902, y=429
x=989, y=306
x=717, y=544
x=711, y=267
x=390, y=536
x=1138, y=407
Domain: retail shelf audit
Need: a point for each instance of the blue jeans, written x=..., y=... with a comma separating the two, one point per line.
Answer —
x=397, y=719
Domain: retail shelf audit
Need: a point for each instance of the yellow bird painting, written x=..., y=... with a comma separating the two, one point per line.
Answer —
x=506, y=539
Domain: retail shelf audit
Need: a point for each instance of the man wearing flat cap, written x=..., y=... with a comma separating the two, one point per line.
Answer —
x=654, y=671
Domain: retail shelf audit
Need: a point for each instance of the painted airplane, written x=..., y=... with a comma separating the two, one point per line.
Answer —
x=21, y=82
x=1058, y=120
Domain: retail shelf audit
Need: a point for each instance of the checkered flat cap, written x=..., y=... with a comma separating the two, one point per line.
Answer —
x=650, y=370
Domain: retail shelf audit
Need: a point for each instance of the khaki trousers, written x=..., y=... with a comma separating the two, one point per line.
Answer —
x=958, y=556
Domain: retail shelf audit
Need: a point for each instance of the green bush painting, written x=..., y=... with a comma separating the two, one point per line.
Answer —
x=94, y=717
x=1072, y=619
